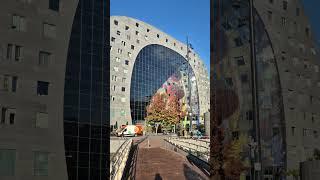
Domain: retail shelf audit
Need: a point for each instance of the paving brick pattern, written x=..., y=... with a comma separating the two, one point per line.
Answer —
x=155, y=163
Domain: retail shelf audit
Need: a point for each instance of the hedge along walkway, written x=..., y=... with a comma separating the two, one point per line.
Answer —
x=155, y=163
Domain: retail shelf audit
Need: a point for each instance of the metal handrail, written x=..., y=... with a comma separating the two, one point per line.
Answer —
x=118, y=157
x=180, y=140
x=194, y=151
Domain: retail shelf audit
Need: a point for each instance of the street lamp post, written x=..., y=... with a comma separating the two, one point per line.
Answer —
x=189, y=87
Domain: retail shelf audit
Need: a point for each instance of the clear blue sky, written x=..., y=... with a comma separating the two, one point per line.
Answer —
x=177, y=18
x=311, y=8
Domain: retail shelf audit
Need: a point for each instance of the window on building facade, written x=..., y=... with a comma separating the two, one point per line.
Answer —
x=6, y=82
x=312, y=117
x=123, y=89
x=138, y=41
x=240, y=60
x=115, y=22
x=42, y=88
x=18, y=23
x=18, y=53
x=315, y=134
x=283, y=21
x=119, y=51
x=129, y=54
x=229, y=81
x=44, y=58
x=42, y=120
x=3, y=115
x=54, y=5
x=137, y=33
x=166, y=40
x=113, y=39
x=14, y=51
x=244, y=78
x=123, y=43
x=137, y=24
x=132, y=47
x=270, y=15
x=249, y=115
x=293, y=130
x=14, y=83
x=7, y=162
x=126, y=62
x=118, y=33
x=117, y=59
x=285, y=5
x=114, y=78
x=158, y=36
x=49, y=30
x=127, y=28
x=238, y=42
x=40, y=163
x=148, y=30
x=9, y=51
x=304, y=132
x=307, y=32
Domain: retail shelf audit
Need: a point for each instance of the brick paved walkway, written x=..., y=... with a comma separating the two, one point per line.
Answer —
x=155, y=163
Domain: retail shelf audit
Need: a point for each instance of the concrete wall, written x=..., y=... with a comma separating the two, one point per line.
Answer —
x=310, y=170
x=299, y=76
x=23, y=136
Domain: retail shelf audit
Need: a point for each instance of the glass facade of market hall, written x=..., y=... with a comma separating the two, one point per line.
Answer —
x=86, y=86
x=159, y=68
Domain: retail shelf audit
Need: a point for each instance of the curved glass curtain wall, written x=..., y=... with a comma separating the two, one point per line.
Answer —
x=236, y=72
x=159, y=68
x=85, y=97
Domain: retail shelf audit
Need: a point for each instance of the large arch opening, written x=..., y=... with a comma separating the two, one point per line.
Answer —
x=160, y=69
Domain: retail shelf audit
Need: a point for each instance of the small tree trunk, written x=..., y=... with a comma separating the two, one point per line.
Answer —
x=157, y=129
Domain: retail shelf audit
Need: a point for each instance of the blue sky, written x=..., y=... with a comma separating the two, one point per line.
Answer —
x=311, y=8
x=178, y=18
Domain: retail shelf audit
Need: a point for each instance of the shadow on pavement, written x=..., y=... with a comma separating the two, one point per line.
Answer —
x=131, y=165
x=157, y=177
x=130, y=169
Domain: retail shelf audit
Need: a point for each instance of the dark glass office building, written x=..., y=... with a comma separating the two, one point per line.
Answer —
x=85, y=98
x=158, y=68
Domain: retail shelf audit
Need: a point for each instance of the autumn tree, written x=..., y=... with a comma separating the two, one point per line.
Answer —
x=156, y=110
x=232, y=163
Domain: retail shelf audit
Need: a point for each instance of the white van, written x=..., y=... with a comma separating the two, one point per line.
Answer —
x=129, y=130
